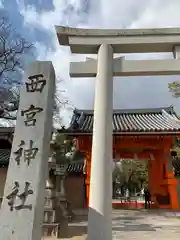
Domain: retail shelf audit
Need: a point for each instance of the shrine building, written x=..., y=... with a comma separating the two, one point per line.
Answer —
x=137, y=134
x=143, y=134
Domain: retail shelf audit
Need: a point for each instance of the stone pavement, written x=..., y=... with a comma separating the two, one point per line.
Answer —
x=135, y=224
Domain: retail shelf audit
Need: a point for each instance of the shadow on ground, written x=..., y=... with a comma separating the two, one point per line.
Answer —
x=134, y=227
x=120, y=226
x=128, y=218
x=123, y=221
x=76, y=231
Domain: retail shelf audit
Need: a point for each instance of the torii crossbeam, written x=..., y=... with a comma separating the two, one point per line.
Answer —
x=105, y=43
x=127, y=68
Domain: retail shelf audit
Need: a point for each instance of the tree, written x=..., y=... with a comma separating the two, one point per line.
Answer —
x=9, y=103
x=14, y=50
x=63, y=148
x=60, y=102
x=131, y=173
x=175, y=155
x=14, y=53
x=174, y=88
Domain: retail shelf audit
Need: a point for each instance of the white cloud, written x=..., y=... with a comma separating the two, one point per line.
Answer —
x=67, y=12
x=1, y=4
x=128, y=92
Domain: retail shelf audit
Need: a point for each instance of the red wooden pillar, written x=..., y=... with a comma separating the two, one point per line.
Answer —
x=84, y=145
x=88, y=175
x=169, y=181
x=155, y=174
x=162, y=181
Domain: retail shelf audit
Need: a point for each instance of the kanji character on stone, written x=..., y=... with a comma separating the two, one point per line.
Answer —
x=14, y=196
x=29, y=115
x=30, y=153
x=19, y=152
x=36, y=83
x=23, y=197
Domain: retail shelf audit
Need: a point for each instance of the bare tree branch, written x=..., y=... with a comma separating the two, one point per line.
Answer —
x=14, y=52
x=60, y=102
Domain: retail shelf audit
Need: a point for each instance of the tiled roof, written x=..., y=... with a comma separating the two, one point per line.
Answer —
x=144, y=121
x=4, y=156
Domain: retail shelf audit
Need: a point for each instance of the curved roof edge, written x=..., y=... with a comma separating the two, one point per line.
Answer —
x=130, y=122
x=168, y=109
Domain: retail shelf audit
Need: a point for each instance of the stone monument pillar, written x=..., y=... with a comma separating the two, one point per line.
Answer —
x=100, y=205
x=21, y=215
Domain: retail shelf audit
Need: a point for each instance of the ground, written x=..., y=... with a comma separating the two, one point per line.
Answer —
x=148, y=225
x=135, y=224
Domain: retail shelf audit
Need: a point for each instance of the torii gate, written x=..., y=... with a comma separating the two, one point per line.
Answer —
x=105, y=43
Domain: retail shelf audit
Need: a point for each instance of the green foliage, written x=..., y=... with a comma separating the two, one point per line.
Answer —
x=131, y=173
x=175, y=154
x=176, y=149
x=174, y=88
x=63, y=148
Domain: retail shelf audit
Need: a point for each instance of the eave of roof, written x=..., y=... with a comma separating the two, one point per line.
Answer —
x=6, y=129
x=163, y=134
x=154, y=121
x=169, y=109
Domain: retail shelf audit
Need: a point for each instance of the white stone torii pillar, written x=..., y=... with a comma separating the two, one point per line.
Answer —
x=100, y=205
x=105, y=43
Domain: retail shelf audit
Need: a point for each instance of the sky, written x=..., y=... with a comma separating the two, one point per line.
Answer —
x=35, y=20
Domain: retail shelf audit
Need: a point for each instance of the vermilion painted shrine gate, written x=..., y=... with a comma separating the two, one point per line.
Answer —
x=140, y=134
